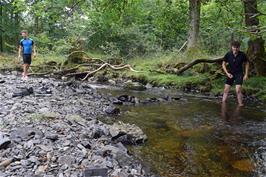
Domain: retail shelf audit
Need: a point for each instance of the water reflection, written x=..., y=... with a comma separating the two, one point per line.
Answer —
x=231, y=116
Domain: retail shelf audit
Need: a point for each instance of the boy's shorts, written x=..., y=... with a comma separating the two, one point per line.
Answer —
x=237, y=78
x=27, y=59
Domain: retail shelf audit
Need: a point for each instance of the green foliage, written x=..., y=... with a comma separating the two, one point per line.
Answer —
x=128, y=28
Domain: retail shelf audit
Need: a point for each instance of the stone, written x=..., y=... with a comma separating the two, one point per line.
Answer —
x=4, y=141
x=245, y=165
x=41, y=169
x=111, y=110
x=66, y=159
x=24, y=92
x=94, y=171
x=52, y=137
x=6, y=162
x=86, y=144
x=25, y=133
x=135, y=86
x=127, y=134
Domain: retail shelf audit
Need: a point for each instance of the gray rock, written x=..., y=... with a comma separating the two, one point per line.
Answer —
x=52, y=137
x=4, y=141
x=25, y=133
x=86, y=144
x=94, y=171
x=127, y=134
x=66, y=160
x=111, y=110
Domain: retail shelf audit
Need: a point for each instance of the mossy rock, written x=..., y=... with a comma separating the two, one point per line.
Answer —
x=135, y=86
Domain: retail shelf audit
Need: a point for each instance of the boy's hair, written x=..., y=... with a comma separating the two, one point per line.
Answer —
x=24, y=31
x=235, y=44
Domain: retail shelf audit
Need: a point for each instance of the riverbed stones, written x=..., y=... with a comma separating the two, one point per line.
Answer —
x=64, y=144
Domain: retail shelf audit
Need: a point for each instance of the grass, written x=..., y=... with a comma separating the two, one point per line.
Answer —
x=149, y=67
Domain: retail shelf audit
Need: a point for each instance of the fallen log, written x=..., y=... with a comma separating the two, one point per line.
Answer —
x=189, y=65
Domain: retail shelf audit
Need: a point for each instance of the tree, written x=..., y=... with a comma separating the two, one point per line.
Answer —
x=256, y=50
x=1, y=29
x=194, y=18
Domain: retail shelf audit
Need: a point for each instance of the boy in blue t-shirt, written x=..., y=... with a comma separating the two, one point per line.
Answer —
x=27, y=48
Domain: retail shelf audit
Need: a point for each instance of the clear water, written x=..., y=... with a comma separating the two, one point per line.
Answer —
x=200, y=137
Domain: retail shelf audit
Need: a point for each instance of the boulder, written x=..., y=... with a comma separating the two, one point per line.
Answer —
x=111, y=110
x=127, y=133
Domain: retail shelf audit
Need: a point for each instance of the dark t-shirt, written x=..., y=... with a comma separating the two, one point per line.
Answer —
x=235, y=63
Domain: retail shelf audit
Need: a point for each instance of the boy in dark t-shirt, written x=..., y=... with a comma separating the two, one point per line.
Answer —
x=235, y=59
x=27, y=47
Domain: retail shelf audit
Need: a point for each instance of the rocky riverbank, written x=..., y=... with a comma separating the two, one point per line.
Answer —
x=49, y=128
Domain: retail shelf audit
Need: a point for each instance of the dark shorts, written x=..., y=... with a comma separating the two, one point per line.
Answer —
x=237, y=78
x=27, y=59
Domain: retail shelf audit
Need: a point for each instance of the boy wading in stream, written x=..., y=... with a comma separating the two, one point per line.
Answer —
x=235, y=59
x=26, y=47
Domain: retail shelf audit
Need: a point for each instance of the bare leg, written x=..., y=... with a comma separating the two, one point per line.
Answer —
x=24, y=70
x=239, y=95
x=226, y=92
x=224, y=111
x=27, y=69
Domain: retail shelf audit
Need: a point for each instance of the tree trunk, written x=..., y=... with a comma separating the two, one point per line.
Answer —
x=1, y=30
x=194, y=18
x=256, y=51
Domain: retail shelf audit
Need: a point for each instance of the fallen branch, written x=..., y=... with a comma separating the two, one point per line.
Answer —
x=189, y=65
x=79, y=51
x=117, y=67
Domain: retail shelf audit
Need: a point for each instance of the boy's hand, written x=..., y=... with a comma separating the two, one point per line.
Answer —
x=229, y=75
x=245, y=77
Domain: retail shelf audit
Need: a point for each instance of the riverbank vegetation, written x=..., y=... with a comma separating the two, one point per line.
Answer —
x=156, y=38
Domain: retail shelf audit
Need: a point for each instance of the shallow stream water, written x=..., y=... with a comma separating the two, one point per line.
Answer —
x=197, y=137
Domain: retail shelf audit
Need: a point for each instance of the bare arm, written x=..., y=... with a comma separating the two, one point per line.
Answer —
x=246, y=70
x=19, y=51
x=225, y=70
x=34, y=50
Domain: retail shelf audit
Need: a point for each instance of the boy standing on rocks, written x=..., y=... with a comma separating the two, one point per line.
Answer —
x=26, y=47
x=235, y=59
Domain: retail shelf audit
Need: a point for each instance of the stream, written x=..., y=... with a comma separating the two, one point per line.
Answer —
x=198, y=137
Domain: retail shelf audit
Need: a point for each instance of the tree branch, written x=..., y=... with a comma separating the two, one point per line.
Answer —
x=197, y=61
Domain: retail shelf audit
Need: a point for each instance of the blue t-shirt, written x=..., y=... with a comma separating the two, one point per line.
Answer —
x=27, y=45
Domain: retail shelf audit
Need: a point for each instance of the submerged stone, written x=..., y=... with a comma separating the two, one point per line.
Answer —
x=244, y=165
